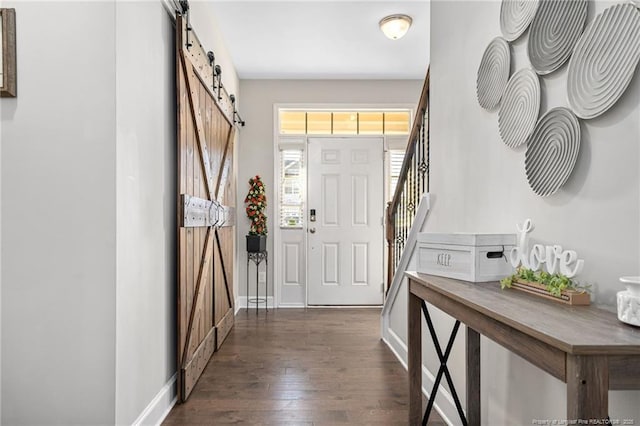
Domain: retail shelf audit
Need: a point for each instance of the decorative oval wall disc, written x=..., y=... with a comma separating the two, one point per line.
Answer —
x=554, y=33
x=604, y=61
x=493, y=73
x=515, y=17
x=552, y=151
x=519, y=108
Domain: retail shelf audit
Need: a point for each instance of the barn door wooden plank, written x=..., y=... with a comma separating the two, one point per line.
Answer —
x=209, y=125
x=196, y=365
x=224, y=241
x=203, y=277
x=181, y=99
x=203, y=232
x=190, y=165
x=192, y=93
x=193, y=331
x=227, y=288
x=226, y=322
x=225, y=166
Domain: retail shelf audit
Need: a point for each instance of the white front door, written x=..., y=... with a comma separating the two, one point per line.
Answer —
x=345, y=182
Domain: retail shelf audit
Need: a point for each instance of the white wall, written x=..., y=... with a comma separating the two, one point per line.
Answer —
x=205, y=24
x=145, y=207
x=1, y=262
x=88, y=197
x=146, y=173
x=256, y=151
x=479, y=185
x=58, y=217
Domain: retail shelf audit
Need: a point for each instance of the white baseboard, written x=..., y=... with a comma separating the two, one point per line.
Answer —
x=444, y=405
x=241, y=303
x=160, y=405
x=344, y=306
x=291, y=306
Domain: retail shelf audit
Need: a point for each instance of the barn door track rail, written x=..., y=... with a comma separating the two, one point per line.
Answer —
x=208, y=70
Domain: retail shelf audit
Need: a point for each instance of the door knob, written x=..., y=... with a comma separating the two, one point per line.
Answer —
x=312, y=230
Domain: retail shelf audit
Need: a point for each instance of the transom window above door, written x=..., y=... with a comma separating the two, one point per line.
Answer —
x=337, y=122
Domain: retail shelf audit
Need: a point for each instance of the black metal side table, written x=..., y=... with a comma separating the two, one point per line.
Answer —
x=257, y=258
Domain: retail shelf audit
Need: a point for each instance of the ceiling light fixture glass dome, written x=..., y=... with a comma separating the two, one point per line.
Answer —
x=395, y=26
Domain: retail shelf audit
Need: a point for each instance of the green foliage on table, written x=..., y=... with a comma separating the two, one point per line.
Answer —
x=553, y=283
x=506, y=282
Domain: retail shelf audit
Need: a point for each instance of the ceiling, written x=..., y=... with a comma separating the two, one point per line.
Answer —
x=308, y=39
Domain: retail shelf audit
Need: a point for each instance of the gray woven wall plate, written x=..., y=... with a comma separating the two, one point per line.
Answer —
x=604, y=61
x=515, y=17
x=554, y=33
x=552, y=151
x=519, y=108
x=493, y=73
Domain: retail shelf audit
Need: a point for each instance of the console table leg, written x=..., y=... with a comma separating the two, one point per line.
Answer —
x=473, y=377
x=587, y=388
x=415, y=359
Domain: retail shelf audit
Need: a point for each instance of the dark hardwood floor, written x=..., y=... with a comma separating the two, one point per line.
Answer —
x=301, y=367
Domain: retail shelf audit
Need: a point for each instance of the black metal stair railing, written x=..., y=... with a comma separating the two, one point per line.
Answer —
x=413, y=182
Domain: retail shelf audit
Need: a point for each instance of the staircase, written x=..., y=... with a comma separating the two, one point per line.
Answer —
x=405, y=218
x=413, y=182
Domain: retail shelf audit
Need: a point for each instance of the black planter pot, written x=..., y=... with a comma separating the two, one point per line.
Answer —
x=256, y=243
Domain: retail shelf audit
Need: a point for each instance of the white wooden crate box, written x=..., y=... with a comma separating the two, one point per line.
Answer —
x=468, y=257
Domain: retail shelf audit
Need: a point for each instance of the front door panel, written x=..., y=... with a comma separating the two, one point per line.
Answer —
x=345, y=242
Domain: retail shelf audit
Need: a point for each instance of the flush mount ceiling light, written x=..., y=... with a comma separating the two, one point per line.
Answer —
x=395, y=26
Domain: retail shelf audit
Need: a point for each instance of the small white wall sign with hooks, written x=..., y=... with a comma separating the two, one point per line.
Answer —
x=552, y=257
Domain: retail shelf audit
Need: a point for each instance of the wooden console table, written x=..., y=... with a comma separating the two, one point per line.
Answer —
x=585, y=347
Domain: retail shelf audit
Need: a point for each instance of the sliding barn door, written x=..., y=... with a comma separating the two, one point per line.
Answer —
x=205, y=213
